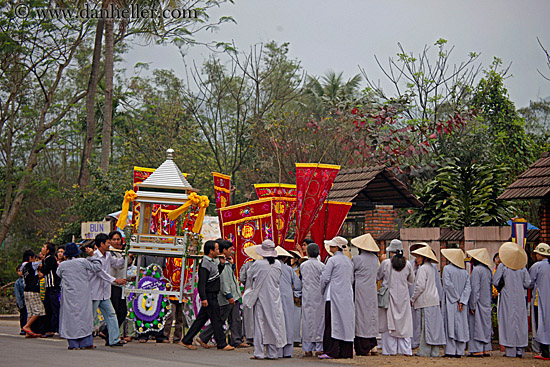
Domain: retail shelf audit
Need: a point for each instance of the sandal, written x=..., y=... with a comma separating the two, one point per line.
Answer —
x=254, y=357
x=325, y=356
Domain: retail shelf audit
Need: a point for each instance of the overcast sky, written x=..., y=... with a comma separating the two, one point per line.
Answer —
x=340, y=35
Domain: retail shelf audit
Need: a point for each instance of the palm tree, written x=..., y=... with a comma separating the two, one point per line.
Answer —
x=331, y=88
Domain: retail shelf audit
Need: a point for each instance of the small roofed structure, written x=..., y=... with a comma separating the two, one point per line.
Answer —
x=370, y=186
x=531, y=184
x=374, y=192
x=168, y=186
x=534, y=183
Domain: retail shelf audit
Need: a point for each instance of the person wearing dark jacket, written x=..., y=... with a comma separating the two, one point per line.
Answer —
x=208, y=287
x=51, y=301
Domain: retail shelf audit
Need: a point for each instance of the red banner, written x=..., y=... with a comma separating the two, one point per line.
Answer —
x=270, y=190
x=282, y=209
x=313, y=182
x=328, y=223
x=246, y=224
x=222, y=189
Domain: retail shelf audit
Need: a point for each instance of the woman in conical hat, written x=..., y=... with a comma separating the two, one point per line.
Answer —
x=512, y=278
x=426, y=299
x=337, y=286
x=540, y=281
x=395, y=322
x=456, y=286
x=269, y=320
x=365, y=267
x=248, y=315
x=290, y=286
x=479, y=305
x=416, y=313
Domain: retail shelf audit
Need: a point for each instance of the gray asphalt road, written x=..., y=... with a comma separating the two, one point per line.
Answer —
x=17, y=351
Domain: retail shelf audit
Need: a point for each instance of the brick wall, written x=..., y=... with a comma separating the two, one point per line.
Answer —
x=380, y=220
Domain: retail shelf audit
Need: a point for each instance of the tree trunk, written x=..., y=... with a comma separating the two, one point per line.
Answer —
x=84, y=176
x=108, y=108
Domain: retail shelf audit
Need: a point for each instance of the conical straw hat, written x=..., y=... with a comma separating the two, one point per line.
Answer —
x=250, y=251
x=282, y=252
x=427, y=252
x=481, y=255
x=512, y=255
x=296, y=254
x=455, y=256
x=365, y=242
x=417, y=245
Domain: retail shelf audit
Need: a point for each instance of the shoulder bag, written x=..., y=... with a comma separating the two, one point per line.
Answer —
x=250, y=295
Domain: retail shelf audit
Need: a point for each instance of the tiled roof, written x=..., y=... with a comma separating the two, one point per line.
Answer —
x=387, y=236
x=452, y=235
x=370, y=186
x=531, y=184
x=167, y=176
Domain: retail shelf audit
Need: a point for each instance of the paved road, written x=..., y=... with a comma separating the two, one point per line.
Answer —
x=17, y=351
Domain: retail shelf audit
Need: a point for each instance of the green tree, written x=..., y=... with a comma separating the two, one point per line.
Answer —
x=461, y=196
x=510, y=144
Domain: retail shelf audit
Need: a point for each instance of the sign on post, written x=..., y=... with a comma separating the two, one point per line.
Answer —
x=91, y=229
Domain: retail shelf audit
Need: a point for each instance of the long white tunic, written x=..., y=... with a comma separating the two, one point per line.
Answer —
x=75, y=314
x=313, y=302
x=456, y=285
x=290, y=286
x=248, y=314
x=397, y=319
x=268, y=309
x=540, y=280
x=426, y=297
x=480, y=323
x=416, y=313
x=365, y=267
x=512, y=307
x=338, y=273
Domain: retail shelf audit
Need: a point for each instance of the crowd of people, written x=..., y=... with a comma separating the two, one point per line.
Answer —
x=332, y=308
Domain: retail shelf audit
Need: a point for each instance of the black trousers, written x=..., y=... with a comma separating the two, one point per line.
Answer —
x=51, y=304
x=212, y=313
x=364, y=345
x=119, y=304
x=334, y=347
x=22, y=317
x=545, y=350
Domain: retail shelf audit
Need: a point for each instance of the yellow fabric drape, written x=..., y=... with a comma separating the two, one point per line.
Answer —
x=194, y=199
x=204, y=202
x=129, y=196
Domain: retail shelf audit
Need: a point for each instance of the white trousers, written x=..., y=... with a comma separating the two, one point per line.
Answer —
x=392, y=345
x=454, y=348
x=312, y=346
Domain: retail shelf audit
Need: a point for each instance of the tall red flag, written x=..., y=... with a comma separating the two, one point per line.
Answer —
x=222, y=189
x=328, y=223
x=313, y=182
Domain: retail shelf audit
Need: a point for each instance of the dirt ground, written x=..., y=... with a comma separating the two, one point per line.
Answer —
x=496, y=359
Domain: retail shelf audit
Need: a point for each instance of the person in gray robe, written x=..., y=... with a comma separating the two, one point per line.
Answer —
x=456, y=285
x=337, y=286
x=297, y=312
x=76, y=317
x=269, y=319
x=291, y=286
x=512, y=309
x=365, y=268
x=426, y=298
x=540, y=282
x=479, y=317
x=395, y=322
x=415, y=341
x=248, y=315
x=313, y=305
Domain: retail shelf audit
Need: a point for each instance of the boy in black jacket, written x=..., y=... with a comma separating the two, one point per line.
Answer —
x=209, y=287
